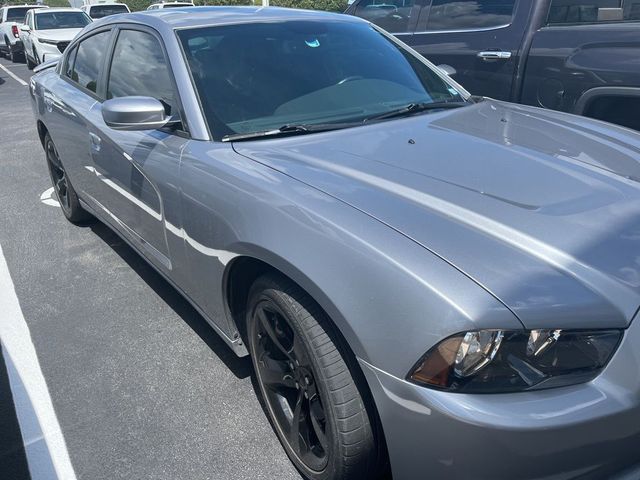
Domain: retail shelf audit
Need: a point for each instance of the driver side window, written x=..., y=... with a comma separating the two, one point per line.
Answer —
x=139, y=68
x=392, y=15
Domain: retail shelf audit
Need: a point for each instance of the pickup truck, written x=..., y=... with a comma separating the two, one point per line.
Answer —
x=11, y=17
x=577, y=56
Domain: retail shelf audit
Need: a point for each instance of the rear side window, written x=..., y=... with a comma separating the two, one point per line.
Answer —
x=572, y=12
x=89, y=60
x=135, y=48
x=99, y=11
x=17, y=14
x=469, y=14
x=392, y=15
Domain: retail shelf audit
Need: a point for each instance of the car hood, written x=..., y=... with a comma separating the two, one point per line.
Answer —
x=59, y=34
x=540, y=208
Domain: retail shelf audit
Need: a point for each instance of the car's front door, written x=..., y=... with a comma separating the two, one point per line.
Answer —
x=480, y=39
x=138, y=171
x=25, y=36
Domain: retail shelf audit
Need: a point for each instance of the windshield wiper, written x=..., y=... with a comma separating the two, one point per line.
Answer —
x=416, y=108
x=286, y=130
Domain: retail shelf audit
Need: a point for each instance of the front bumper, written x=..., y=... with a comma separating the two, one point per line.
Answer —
x=589, y=431
x=48, y=51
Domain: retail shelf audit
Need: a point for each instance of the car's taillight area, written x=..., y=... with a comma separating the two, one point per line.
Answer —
x=15, y=31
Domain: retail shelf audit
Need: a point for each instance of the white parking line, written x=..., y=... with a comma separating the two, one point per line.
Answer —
x=44, y=443
x=13, y=75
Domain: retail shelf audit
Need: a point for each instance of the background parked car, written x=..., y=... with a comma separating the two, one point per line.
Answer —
x=10, y=19
x=578, y=56
x=100, y=10
x=156, y=6
x=46, y=33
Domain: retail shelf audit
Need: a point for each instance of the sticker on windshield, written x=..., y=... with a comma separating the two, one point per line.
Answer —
x=453, y=91
x=312, y=43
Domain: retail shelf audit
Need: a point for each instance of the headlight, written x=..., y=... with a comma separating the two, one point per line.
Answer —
x=50, y=42
x=498, y=361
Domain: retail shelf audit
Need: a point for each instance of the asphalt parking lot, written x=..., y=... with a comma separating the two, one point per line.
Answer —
x=141, y=386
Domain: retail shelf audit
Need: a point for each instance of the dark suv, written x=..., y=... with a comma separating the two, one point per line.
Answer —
x=578, y=56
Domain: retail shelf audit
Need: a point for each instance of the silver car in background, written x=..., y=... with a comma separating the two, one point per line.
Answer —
x=426, y=282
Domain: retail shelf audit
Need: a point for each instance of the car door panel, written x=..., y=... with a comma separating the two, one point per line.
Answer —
x=135, y=171
x=567, y=60
x=68, y=122
x=484, y=58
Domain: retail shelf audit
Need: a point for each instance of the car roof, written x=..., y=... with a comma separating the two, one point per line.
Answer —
x=176, y=18
x=32, y=5
x=61, y=9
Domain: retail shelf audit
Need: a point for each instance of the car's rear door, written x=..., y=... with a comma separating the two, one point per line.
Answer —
x=69, y=111
x=480, y=39
x=587, y=50
x=139, y=170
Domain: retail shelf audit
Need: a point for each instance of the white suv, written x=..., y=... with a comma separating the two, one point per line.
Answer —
x=99, y=10
x=11, y=17
x=46, y=33
x=156, y=6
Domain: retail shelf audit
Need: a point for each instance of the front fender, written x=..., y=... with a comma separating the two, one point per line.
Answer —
x=390, y=298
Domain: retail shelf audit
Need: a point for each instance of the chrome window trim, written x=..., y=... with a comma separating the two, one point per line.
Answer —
x=464, y=30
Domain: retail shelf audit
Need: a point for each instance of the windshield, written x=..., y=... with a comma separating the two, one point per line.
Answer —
x=56, y=20
x=262, y=76
x=100, y=11
x=17, y=14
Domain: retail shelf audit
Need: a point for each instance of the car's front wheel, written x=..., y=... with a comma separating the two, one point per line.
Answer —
x=67, y=196
x=310, y=394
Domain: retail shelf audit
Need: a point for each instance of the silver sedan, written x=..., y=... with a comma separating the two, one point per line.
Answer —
x=427, y=282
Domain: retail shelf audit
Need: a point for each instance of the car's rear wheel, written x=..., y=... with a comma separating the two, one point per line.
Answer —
x=65, y=192
x=309, y=392
x=30, y=64
x=14, y=55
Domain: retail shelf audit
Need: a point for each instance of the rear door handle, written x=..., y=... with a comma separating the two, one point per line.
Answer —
x=494, y=55
x=96, y=142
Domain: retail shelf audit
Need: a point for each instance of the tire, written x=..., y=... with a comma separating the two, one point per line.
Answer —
x=30, y=64
x=65, y=192
x=4, y=51
x=13, y=55
x=298, y=360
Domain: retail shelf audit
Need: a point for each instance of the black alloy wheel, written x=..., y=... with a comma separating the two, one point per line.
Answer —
x=309, y=393
x=67, y=196
x=290, y=385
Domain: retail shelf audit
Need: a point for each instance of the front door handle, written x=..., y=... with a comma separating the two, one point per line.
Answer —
x=494, y=55
x=96, y=142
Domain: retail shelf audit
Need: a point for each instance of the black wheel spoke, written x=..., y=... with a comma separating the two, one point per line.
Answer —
x=294, y=433
x=318, y=421
x=276, y=373
x=268, y=329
